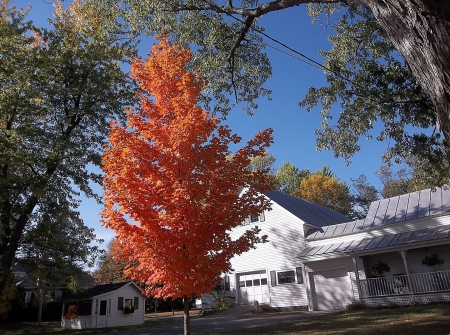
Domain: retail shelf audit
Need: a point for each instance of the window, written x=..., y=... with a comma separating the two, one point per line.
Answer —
x=103, y=305
x=256, y=282
x=286, y=277
x=85, y=308
x=248, y=283
x=253, y=218
x=241, y=283
x=128, y=302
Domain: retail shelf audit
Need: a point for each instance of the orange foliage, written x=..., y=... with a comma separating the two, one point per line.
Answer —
x=171, y=189
x=326, y=191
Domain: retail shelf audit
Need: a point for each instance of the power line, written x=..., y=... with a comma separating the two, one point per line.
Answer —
x=308, y=61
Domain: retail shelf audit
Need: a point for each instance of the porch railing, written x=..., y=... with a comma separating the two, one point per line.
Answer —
x=428, y=282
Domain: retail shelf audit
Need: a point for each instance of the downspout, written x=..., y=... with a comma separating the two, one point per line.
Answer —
x=403, y=254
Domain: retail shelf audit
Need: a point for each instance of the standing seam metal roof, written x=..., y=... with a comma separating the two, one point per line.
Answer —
x=384, y=212
x=307, y=211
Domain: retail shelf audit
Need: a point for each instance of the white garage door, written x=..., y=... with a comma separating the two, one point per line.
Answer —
x=253, y=286
x=333, y=289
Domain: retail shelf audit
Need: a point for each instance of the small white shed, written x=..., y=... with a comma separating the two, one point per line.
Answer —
x=104, y=306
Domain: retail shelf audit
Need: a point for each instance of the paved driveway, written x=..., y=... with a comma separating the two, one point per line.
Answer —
x=230, y=320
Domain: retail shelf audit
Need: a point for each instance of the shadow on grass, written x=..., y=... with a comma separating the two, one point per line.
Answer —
x=418, y=320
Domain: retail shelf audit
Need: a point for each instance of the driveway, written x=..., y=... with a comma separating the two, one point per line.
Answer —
x=233, y=319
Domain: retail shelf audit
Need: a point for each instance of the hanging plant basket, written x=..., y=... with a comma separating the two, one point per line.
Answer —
x=128, y=309
x=432, y=260
x=379, y=268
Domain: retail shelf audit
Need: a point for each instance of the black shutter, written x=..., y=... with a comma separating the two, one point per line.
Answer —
x=136, y=302
x=227, y=283
x=273, y=278
x=299, y=275
x=120, y=303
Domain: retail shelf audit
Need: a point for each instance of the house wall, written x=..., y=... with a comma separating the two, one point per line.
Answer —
x=285, y=240
x=114, y=317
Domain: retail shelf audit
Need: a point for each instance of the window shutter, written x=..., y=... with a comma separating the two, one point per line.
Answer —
x=227, y=283
x=136, y=302
x=299, y=275
x=262, y=217
x=273, y=278
x=120, y=303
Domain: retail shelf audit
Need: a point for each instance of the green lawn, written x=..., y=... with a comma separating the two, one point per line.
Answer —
x=418, y=320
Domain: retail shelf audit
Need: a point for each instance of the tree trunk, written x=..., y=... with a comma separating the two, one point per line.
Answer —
x=186, y=320
x=420, y=31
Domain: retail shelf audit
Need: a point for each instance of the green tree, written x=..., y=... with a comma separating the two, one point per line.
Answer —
x=230, y=52
x=377, y=95
x=111, y=267
x=395, y=184
x=288, y=178
x=364, y=195
x=59, y=88
x=262, y=162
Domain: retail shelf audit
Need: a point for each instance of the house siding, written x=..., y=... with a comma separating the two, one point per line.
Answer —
x=285, y=234
x=114, y=317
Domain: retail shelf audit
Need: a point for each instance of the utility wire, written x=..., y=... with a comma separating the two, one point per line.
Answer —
x=308, y=61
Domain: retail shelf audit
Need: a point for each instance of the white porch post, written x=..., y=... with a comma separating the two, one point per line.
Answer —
x=355, y=265
x=403, y=254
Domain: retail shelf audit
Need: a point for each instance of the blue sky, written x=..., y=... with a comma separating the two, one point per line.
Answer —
x=294, y=138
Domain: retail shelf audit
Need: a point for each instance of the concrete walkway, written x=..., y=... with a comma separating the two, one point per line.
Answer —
x=234, y=319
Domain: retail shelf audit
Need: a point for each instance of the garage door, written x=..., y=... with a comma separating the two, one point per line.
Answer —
x=253, y=286
x=333, y=289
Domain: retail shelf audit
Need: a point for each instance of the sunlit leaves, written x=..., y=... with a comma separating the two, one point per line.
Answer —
x=171, y=188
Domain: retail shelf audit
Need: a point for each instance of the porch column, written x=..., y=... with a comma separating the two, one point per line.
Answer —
x=355, y=265
x=403, y=254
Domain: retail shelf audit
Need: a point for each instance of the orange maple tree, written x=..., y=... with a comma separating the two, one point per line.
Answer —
x=172, y=185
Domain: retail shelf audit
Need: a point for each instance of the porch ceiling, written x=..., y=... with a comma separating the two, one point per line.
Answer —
x=413, y=238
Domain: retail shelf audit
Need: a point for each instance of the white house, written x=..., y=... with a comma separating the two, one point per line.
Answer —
x=110, y=305
x=270, y=273
x=398, y=254
x=318, y=258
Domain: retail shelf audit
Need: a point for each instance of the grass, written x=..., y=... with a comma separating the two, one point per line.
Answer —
x=417, y=320
x=53, y=328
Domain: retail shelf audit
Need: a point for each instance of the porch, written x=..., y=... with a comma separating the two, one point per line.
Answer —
x=419, y=283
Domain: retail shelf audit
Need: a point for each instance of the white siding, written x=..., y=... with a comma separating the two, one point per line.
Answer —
x=118, y=317
x=285, y=233
x=114, y=317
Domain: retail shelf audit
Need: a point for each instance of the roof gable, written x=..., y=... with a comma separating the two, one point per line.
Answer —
x=308, y=212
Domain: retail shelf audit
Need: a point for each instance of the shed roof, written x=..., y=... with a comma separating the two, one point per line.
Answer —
x=307, y=211
x=378, y=242
x=398, y=209
x=100, y=290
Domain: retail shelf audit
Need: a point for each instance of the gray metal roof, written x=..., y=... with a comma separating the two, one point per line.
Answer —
x=307, y=211
x=385, y=241
x=384, y=212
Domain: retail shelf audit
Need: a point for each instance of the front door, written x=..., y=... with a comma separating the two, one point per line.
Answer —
x=102, y=315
